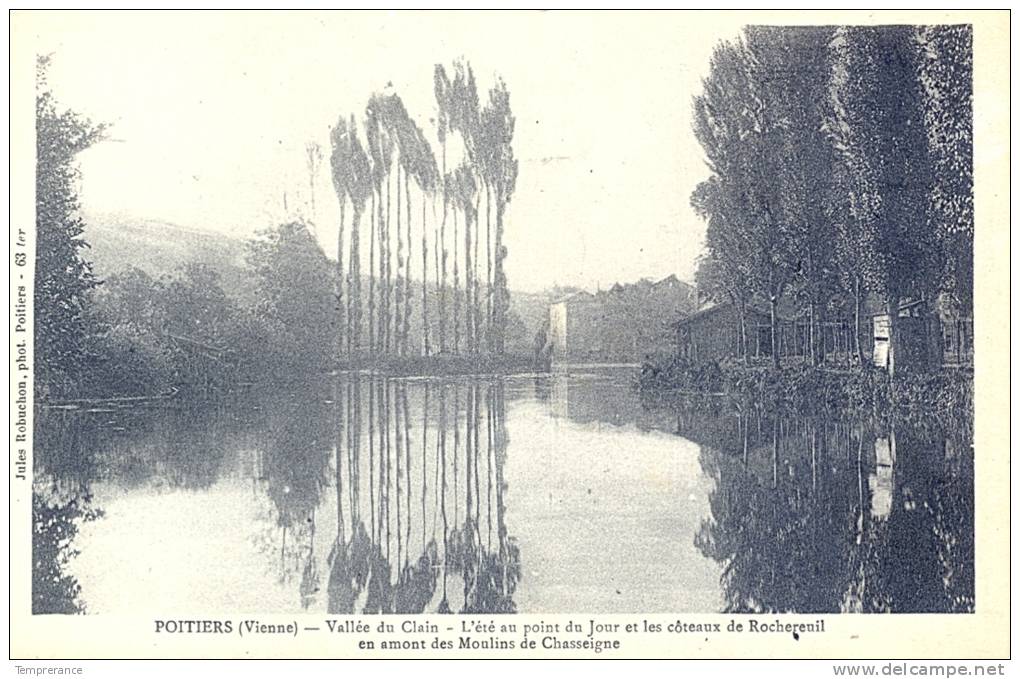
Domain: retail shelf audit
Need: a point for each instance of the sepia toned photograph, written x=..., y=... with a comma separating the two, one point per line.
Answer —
x=452, y=314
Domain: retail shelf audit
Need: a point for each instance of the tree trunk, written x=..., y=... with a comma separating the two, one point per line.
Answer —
x=384, y=275
x=775, y=450
x=958, y=338
x=746, y=425
x=892, y=304
x=456, y=288
x=400, y=283
x=744, y=349
x=371, y=279
x=857, y=320
x=468, y=285
x=488, y=270
x=774, y=320
x=502, y=301
x=406, y=332
x=441, y=252
x=339, y=285
x=932, y=335
x=813, y=428
x=813, y=332
x=809, y=356
x=349, y=304
x=424, y=281
x=477, y=311
x=354, y=290
x=441, y=255
x=381, y=312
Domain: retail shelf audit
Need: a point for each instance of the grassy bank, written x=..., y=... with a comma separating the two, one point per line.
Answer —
x=939, y=396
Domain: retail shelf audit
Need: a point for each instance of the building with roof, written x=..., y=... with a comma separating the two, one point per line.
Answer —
x=940, y=337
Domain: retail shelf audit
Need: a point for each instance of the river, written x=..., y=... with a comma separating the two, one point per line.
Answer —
x=562, y=493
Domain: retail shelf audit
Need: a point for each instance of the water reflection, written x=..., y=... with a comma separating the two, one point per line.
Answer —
x=60, y=504
x=407, y=530
x=372, y=495
x=817, y=515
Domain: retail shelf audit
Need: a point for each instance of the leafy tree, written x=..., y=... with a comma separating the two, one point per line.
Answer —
x=946, y=76
x=791, y=66
x=465, y=118
x=295, y=454
x=294, y=282
x=196, y=306
x=501, y=168
x=464, y=190
x=415, y=162
x=841, y=165
x=722, y=274
x=130, y=298
x=398, y=157
x=877, y=124
x=421, y=166
x=352, y=182
x=743, y=149
x=381, y=148
x=200, y=322
x=63, y=277
x=55, y=525
x=132, y=356
x=442, y=89
x=342, y=171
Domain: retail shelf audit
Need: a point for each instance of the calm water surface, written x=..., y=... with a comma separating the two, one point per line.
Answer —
x=550, y=494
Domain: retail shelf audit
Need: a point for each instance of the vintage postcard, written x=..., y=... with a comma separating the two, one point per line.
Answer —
x=509, y=335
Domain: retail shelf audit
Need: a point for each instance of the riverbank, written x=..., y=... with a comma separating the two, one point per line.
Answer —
x=240, y=378
x=939, y=396
x=449, y=365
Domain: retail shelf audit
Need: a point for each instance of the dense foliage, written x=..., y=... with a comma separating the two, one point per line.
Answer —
x=63, y=276
x=375, y=173
x=150, y=334
x=841, y=166
x=926, y=398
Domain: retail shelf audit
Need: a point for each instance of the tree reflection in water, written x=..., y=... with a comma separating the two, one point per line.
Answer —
x=391, y=495
x=55, y=520
x=177, y=447
x=293, y=446
x=404, y=562
x=812, y=514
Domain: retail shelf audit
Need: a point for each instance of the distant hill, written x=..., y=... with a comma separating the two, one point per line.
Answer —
x=157, y=247
x=118, y=242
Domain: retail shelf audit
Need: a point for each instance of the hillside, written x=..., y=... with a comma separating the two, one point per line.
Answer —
x=158, y=248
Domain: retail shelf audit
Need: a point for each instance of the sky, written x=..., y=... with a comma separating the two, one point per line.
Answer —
x=210, y=113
